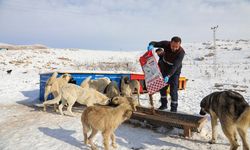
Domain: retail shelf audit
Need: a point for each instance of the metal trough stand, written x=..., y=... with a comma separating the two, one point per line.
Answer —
x=183, y=121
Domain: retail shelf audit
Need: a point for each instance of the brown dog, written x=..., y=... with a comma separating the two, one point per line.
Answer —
x=233, y=113
x=106, y=119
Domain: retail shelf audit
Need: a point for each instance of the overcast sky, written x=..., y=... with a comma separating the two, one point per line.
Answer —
x=120, y=24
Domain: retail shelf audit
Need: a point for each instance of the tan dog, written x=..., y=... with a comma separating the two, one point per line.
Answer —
x=98, y=84
x=128, y=87
x=71, y=93
x=106, y=119
x=233, y=113
x=53, y=85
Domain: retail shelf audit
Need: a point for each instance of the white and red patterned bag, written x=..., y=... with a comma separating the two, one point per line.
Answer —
x=153, y=77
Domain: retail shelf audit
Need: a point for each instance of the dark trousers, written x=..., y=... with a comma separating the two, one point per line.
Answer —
x=174, y=85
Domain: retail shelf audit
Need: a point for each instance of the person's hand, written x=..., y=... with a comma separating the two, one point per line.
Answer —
x=150, y=47
x=166, y=79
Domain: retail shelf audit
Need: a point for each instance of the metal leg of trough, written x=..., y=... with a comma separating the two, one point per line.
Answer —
x=187, y=131
x=151, y=103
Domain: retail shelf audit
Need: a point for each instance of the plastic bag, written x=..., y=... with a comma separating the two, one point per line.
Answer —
x=153, y=77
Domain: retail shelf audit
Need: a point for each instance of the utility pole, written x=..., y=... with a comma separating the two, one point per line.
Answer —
x=214, y=37
x=214, y=48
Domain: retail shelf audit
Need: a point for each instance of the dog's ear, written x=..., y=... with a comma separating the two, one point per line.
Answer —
x=127, y=114
x=126, y=80
x=115, y=100
x=64, y=75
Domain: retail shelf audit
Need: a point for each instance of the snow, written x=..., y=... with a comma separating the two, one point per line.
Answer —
x=23, y=126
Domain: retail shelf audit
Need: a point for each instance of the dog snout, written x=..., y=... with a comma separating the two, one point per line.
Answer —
x=108, y=102
x=202, y=112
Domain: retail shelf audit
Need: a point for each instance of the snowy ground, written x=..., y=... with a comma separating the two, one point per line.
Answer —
x=23, y=126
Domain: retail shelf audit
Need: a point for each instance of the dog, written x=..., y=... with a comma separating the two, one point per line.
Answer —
x=128, y=87
x=98, y=84
x=54, y=84
x=71, y=93
x=106, y=119
x=112, y=90
x=9, y=71
x=233, y=113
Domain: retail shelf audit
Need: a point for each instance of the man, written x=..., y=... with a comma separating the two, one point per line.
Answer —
x=170, y=67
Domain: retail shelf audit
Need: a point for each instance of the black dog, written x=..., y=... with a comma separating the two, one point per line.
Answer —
x=9, y=71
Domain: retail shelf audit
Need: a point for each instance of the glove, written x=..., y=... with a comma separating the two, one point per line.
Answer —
x=166, y=79
x=150, y=47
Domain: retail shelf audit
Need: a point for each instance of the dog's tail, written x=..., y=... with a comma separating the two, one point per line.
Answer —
x=53, y=77
x=56, y=100
x=244, y=119
x=85, y=83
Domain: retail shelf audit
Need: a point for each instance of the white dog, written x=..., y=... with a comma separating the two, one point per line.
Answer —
x=98, y=84
x=71, y=93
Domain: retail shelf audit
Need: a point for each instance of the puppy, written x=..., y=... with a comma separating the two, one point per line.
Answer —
x=233, y=113
x=106, y=119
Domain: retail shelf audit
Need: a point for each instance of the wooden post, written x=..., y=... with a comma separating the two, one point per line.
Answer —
x=187, y=131
x=151, y=103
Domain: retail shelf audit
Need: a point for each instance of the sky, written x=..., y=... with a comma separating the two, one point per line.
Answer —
x=120, y=24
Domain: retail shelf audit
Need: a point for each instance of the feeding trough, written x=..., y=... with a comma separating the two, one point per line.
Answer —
x=189, y=123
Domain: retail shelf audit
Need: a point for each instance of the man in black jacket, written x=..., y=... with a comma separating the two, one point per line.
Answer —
x=170, y=67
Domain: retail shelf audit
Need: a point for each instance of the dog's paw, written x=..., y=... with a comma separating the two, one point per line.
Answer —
x=114, y=145
x=71, y=115
x=234, y=147
x=86, y=142
x=212, y=141
x=94, y=148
